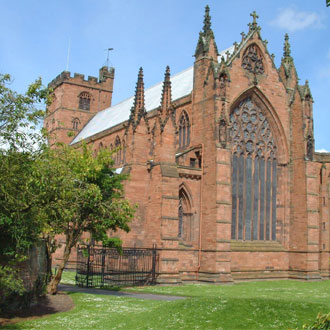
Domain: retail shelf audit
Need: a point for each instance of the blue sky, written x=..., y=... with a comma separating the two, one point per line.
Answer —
x=35, y=36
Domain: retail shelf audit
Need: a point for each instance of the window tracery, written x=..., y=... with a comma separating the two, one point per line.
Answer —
x=252, y=60
x=254, y=174
x=84, y=101
x=184, y=130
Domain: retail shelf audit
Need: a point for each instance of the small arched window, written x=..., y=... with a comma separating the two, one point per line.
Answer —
x=185, y=216
x=84, y=101
x=118, y=149
x=184, y=130
x=75, y=123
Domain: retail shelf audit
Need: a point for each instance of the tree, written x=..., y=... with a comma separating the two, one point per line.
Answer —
x=78, y=192
x=328, y=3
x=20, y=144
x=46, y=192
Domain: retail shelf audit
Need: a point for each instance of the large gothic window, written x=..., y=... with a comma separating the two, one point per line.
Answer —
x=84, y=101
x=184, y=130
x=185, y=216
x=254, y=174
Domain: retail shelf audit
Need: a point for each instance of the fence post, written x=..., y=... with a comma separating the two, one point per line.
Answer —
x=103, y=266
x=77, y=264
x=88, y=260
x=154, y=255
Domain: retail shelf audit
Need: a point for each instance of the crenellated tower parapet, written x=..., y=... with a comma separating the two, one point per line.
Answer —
x=75, y=101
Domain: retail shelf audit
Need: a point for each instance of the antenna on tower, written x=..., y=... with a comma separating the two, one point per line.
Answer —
x=68, y=57
x=108, y=50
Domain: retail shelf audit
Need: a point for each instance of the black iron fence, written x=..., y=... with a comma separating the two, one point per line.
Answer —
x=98, y=266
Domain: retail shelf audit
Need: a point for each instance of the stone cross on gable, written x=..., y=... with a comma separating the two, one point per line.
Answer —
x=255, y=16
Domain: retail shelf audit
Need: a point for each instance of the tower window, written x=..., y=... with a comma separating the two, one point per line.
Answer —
x=84, y=101
x=75, y=124
x=184, y=130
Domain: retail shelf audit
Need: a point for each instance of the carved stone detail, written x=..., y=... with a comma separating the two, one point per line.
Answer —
x=252, y=60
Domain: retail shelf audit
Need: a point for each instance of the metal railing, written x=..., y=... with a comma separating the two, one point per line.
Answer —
x=98, y=266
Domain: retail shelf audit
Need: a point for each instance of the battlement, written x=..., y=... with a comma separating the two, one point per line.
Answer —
x=106, y=75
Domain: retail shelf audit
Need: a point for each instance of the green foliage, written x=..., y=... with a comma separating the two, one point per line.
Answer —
x=45, y=192
x=20, y=114
x=322, y=322
x=10, y=282
x=79, y=192
x=328, y=3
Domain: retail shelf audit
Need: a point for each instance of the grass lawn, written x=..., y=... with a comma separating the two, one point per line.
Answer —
x=250, y=305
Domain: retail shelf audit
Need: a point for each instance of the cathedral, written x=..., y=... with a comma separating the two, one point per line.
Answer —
x=221, y=162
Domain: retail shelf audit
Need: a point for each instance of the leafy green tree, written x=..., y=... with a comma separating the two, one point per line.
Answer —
x=328, y=3
x=78, y=192
x=48, y=192
x=20, y=144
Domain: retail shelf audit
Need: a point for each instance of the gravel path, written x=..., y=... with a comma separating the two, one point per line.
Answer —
x=72, y=288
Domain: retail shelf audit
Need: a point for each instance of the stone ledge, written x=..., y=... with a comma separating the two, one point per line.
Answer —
x=170, y=218
x=169, y=238
x=224, y=202
x=223, y=221
x=222, y=162
x=256, y=246
x=223, y=183
x=170, y=197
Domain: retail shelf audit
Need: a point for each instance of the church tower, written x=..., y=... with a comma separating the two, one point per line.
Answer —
x=76, y=101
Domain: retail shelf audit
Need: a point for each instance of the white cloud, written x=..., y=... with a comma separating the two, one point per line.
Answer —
x=291, y=19
x=322, y=150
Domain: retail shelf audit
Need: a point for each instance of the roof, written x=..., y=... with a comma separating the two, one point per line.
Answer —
x=181, y=83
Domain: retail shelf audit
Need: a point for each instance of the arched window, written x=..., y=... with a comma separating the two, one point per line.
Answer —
x=84, y=101
x=254, y=174
x=75, y=123
x=184, y=130
x=118, y=149
x=185, y=216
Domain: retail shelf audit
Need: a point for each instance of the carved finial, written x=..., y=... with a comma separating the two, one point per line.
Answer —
x=227, y=54
x=287, y=51
x=207, y=21
x=235, y=46
x=265, y=42
x=205, y=37
x=272, y=56
x=166, y=94
x=243, y=36
x=139, y=92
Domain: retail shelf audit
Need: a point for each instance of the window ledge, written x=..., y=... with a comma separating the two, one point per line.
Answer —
x=256, y=246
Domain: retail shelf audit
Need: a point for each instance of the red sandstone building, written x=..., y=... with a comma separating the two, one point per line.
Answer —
x=221, y=162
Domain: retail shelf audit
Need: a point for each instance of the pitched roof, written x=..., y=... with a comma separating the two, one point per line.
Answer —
x=182, y=85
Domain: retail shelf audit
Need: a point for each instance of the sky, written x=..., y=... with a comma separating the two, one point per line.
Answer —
x=37, y=36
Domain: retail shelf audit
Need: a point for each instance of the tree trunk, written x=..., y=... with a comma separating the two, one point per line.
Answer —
x=49, y=260
x=52, y=286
